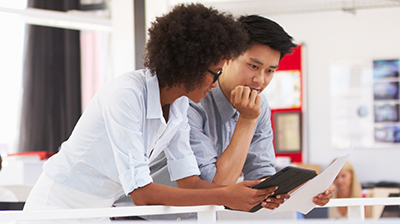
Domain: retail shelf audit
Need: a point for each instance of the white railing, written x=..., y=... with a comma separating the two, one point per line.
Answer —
x=356, y=206
x=204, y=213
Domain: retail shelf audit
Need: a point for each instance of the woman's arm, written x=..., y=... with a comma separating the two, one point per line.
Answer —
x=239, y=196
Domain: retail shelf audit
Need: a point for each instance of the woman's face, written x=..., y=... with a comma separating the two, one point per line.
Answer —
x=202, y=91
x=343, y=180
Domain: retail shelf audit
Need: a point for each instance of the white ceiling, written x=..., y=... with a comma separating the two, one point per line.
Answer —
x=274, y=7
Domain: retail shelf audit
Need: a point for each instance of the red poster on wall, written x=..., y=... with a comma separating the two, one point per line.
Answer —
x=285, y=99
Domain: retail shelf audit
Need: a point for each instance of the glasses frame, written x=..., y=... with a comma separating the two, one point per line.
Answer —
x=216, y=75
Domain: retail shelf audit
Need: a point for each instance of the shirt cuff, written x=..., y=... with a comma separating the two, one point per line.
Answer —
x=182, y=168
x=134, y=178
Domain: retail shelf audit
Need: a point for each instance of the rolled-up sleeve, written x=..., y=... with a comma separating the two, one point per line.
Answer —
x=260, y=161
x=124, y=119
x=181, y=160
x=201, y=144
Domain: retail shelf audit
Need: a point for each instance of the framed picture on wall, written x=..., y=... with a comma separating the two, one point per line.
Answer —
x=287, y=128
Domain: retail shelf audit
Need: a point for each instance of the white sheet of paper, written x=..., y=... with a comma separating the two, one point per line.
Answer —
x=301, y=199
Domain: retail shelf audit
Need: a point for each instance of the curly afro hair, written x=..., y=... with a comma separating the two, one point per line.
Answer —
x=185, y=42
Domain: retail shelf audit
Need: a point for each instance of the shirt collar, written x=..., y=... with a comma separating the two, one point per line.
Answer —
x=154, y=110
x=225, y=108
x=153, y=96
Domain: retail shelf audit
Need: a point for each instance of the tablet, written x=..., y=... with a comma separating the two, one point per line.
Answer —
x=286, y=179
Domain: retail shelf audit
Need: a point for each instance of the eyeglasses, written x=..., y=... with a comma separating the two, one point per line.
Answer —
x=216, y=75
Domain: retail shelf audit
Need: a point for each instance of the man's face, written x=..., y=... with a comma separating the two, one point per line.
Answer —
x=255, y=69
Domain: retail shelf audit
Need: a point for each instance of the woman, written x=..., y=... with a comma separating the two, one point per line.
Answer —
x=347, y=186
x=137, y=115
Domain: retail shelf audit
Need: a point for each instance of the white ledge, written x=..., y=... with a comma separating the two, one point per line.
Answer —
x=104, y=212
x=345, y=202
x=73, y=19
x=206, y=213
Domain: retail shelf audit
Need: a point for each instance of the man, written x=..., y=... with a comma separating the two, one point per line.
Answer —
x=138, y=115
x=231, y=128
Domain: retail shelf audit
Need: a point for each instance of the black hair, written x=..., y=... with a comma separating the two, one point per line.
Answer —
x=185, y=42
x=265, y=31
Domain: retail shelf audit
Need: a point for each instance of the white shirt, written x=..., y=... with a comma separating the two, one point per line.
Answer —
x=108, y=151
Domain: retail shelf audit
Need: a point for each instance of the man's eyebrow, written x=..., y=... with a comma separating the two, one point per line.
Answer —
x=255, y=60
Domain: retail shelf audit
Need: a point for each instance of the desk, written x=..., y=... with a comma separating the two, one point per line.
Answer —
x=379, y=192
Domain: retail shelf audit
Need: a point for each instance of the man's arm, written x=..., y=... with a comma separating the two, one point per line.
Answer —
x=207, y=160
x=239, y=196
x=231, y=162
x=194, y=182
x=227, y=166
x=323, y=198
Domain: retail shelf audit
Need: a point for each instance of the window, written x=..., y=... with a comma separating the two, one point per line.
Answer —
x=11, y=64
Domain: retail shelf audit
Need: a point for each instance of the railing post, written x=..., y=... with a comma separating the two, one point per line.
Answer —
x=355, y=212
x=207, y=216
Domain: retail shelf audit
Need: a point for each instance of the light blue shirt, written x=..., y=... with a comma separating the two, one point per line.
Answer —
x=212, y=123
x=108, y=151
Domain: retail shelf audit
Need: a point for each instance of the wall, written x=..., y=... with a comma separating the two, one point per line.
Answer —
x=367, y=34
x=336, y=35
